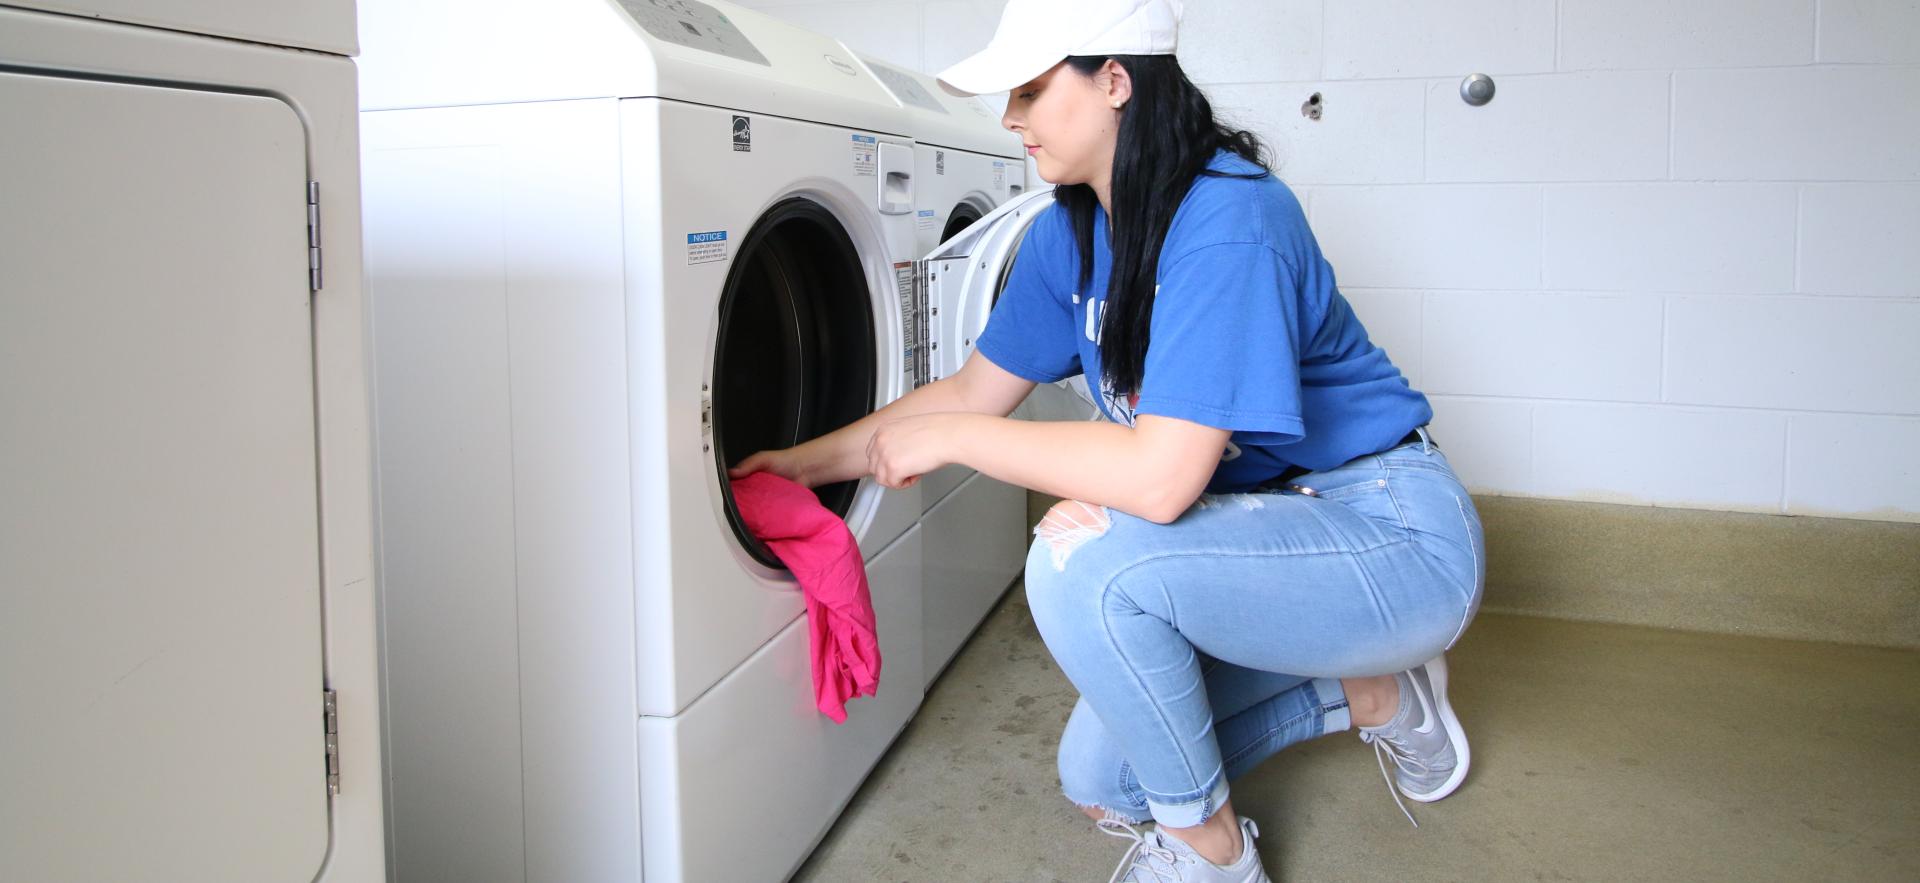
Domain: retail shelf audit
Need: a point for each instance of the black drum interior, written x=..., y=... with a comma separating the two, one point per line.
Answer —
x=795, y=354
x=963, y=217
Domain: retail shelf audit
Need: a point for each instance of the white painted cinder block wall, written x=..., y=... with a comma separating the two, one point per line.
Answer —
x=1675, y=262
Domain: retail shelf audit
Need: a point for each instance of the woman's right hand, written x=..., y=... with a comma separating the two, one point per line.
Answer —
x=794, y=464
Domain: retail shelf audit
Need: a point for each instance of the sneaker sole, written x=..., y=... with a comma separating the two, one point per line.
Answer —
x=1437, y=676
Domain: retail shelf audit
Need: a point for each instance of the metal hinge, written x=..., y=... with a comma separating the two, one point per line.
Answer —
x=331, y=703
x=924, y=311
x=313, y=235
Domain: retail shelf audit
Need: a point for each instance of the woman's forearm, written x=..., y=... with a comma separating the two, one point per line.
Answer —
x=1092, y=461
x=845, y=449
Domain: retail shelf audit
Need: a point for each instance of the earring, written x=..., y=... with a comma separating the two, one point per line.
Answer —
x=1116, y=105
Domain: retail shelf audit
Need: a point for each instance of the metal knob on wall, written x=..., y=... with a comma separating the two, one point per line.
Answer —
x=1476, y=89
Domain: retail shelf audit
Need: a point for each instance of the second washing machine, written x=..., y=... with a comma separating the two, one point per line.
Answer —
x=973, y=531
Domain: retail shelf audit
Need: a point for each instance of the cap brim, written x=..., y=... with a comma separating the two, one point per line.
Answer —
x=994, y=69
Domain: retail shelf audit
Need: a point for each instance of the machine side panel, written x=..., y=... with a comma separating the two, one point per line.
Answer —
x=496, y=270
x=436, y=280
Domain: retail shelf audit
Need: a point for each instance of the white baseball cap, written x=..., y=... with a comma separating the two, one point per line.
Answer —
x=1035, y=35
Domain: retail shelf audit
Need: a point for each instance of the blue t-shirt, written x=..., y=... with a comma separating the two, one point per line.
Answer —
x=1248, y=333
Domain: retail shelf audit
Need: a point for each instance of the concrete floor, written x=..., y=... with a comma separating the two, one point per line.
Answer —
x=1600, y=752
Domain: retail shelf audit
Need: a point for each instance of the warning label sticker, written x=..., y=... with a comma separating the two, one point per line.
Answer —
x=999, y=175
x=925, y=219
x=866, y=151
x=705, y=248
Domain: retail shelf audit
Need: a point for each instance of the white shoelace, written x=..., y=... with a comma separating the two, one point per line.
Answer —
x=1142, y=853
x=1385, y=747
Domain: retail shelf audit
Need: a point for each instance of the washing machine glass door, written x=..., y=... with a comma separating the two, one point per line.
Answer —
x=795, y=356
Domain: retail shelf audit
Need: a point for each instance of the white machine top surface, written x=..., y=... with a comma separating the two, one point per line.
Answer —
x=438, y=53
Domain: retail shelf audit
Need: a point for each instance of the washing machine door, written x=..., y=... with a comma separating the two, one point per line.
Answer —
x=964, y=278
x=795, y=355
x=965, y=275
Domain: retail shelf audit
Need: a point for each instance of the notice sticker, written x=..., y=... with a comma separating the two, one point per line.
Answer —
x=866, y=153
x=925, y=219
x=999, y=175
x=706, y=248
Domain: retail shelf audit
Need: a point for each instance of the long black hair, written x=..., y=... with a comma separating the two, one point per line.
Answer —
x=1167, y=136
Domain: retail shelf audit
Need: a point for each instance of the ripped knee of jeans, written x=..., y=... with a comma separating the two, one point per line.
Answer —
x=1069, y=525
x=1249, y=502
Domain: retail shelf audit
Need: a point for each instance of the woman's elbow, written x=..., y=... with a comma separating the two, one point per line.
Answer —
x=1165, y=507
x=1163, y=516
x=1178, y=459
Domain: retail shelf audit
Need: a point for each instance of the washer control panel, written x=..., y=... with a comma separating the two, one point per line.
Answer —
x=695, y=25
x=906, y=88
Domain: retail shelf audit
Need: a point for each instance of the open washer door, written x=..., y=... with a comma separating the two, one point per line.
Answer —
x=966, y=274
x=964, y=278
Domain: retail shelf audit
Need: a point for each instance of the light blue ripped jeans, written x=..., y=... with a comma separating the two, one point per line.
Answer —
x=1204, y=646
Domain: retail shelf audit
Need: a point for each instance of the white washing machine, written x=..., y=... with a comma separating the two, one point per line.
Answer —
x=613, y=247
x=975, y=542
x=188, y=647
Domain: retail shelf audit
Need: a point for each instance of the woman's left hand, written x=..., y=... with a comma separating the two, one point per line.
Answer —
x=901, y=451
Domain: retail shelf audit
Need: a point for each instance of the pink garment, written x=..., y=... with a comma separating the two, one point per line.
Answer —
x=816, y=545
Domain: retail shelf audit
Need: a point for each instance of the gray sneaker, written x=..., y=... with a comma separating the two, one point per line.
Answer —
x=1424, y=739
x=1158, y=858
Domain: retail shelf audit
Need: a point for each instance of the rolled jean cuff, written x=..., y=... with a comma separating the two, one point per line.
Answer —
x=1193, y=812
x=1335, y=716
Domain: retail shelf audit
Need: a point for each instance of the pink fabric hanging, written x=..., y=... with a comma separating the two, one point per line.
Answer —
x=816, y=545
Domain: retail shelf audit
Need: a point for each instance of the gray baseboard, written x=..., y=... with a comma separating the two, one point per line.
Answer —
x=1780, y=576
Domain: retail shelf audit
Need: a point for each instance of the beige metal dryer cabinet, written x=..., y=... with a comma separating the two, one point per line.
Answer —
x=188, y=664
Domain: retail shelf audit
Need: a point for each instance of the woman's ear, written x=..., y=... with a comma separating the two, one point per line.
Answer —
x=1119, y=83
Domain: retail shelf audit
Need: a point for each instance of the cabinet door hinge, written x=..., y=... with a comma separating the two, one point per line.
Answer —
x=331, y=703
x=313, y=236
